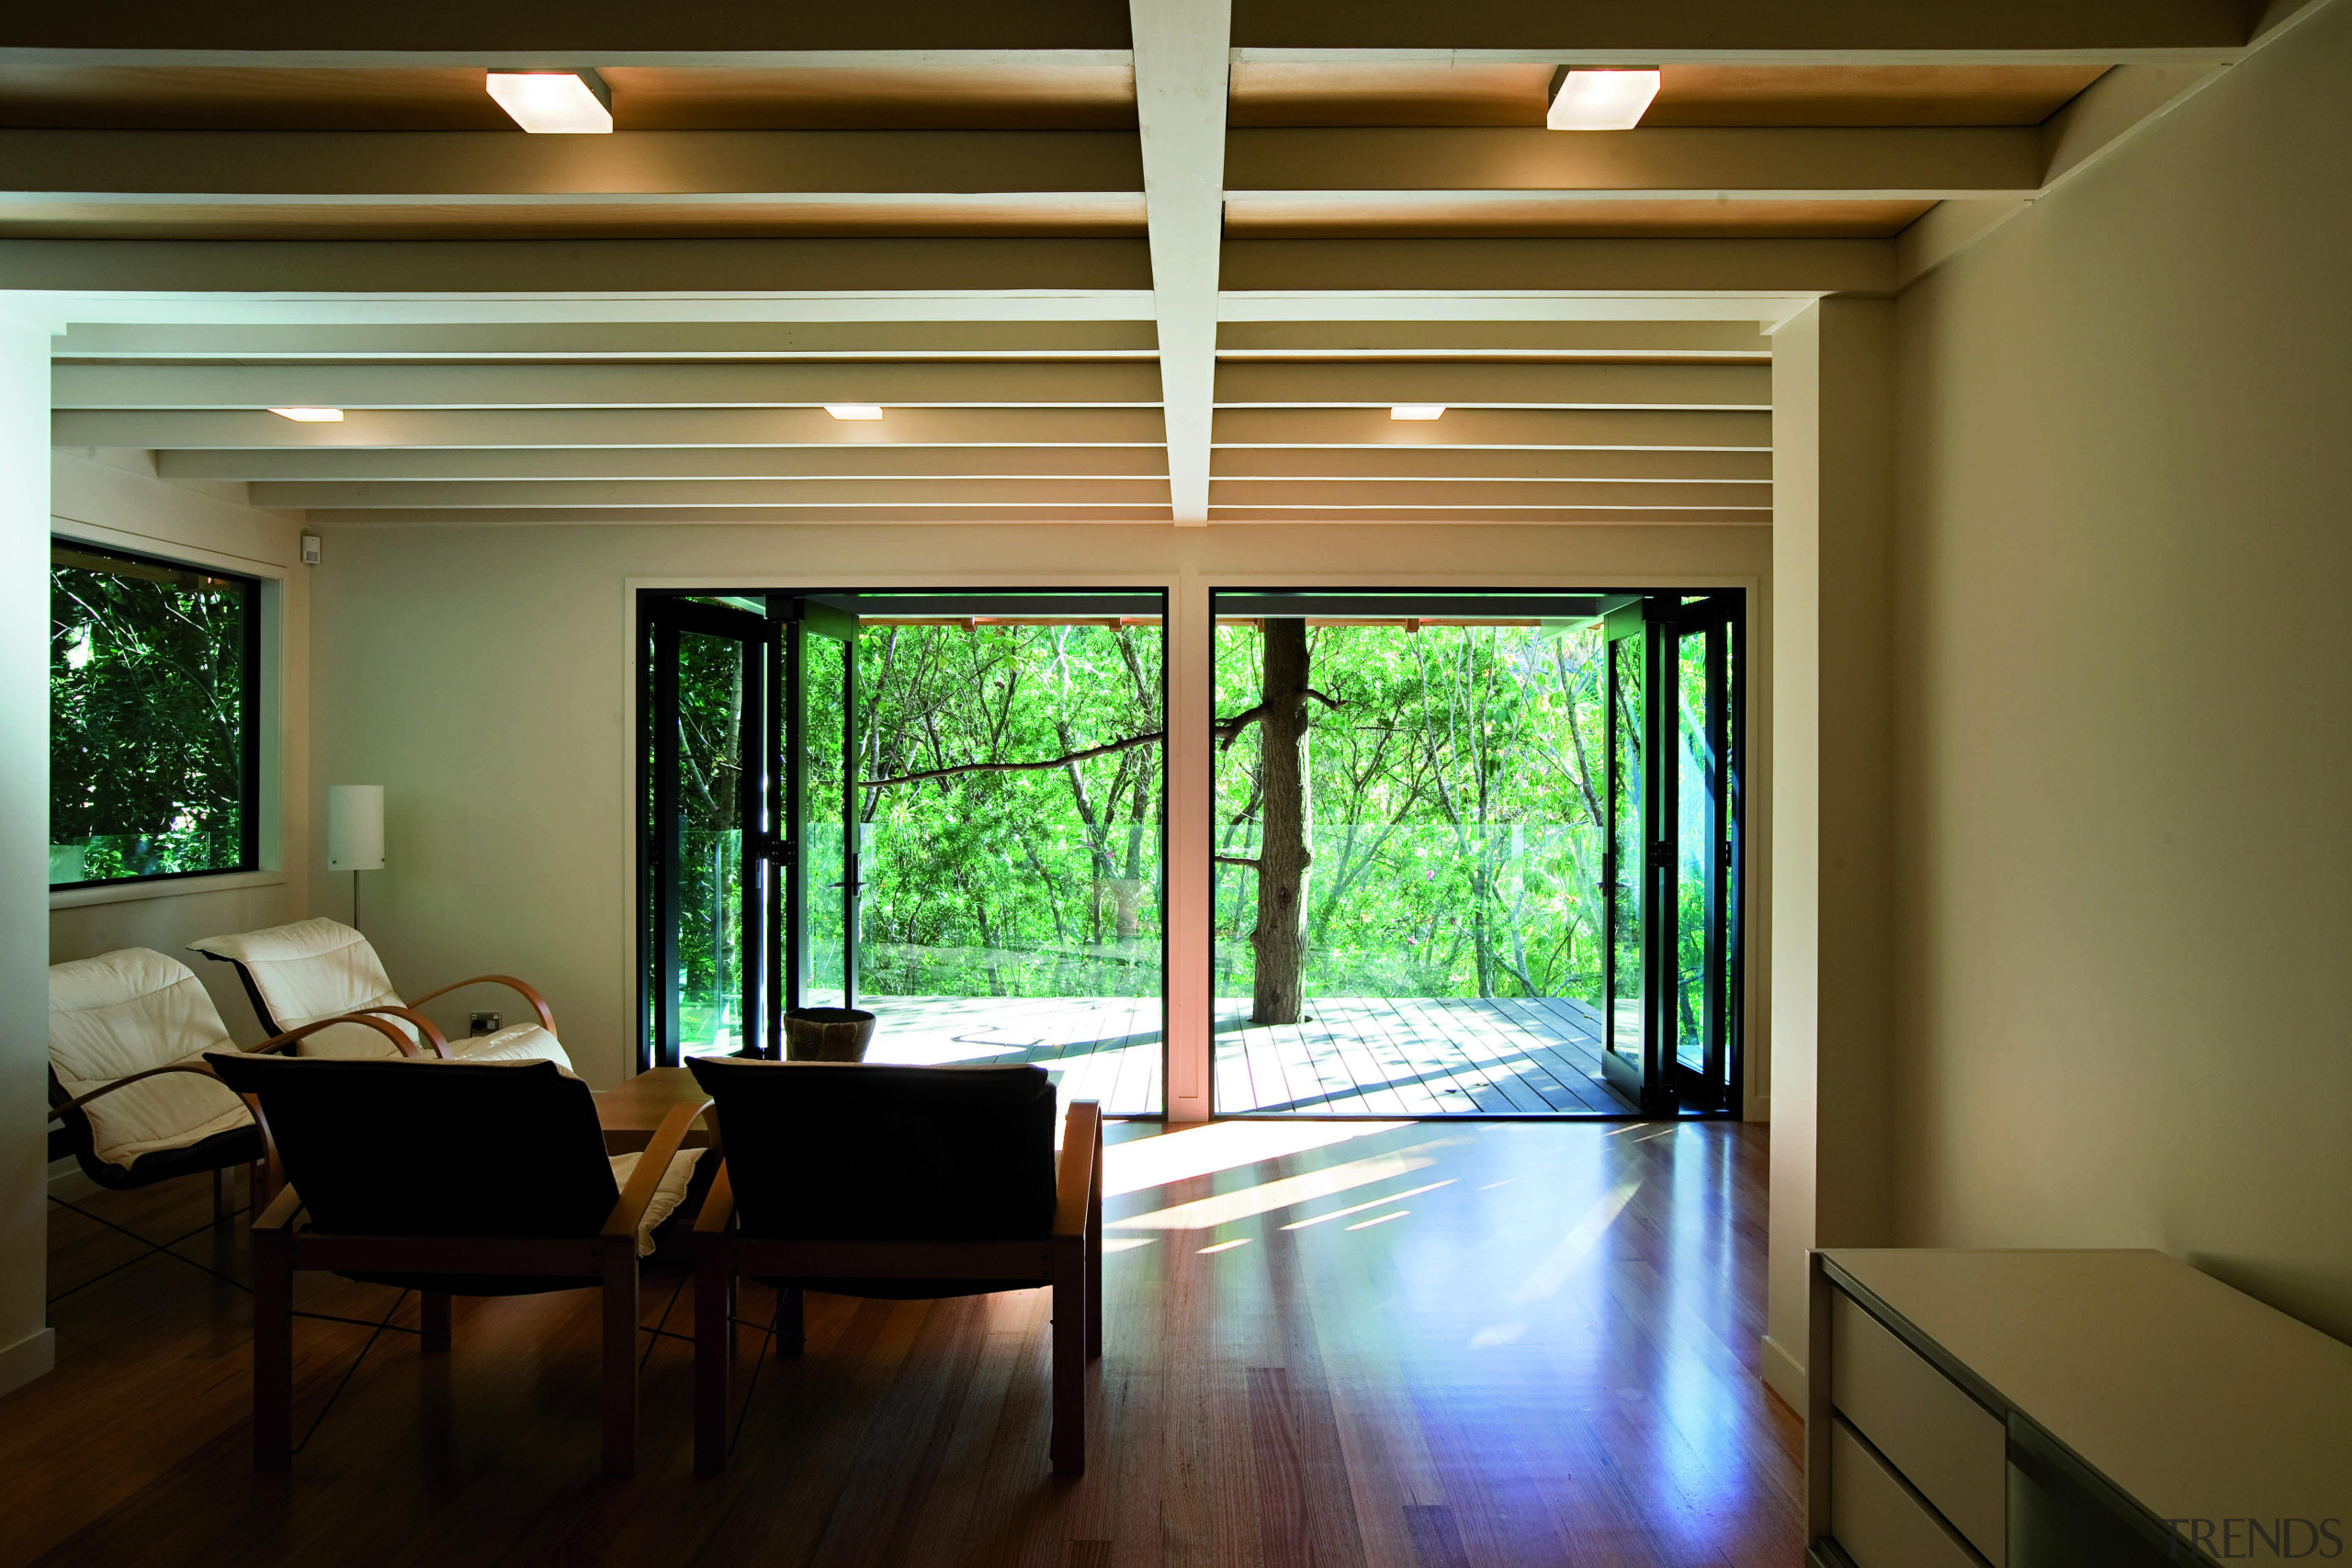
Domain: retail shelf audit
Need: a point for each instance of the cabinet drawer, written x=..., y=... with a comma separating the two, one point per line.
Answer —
x=1876, y=1521
x=1947, y=1446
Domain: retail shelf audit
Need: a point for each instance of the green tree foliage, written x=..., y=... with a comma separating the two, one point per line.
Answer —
x=1455, y=816
x=993, y=876
x=147, y=718
x=1455, y=807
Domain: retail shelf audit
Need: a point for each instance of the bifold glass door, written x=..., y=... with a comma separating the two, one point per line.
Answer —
x=704, y=703
x=946, y=809
x=1672, y=865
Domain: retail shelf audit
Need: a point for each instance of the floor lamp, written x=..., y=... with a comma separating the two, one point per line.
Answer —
x=355, y=833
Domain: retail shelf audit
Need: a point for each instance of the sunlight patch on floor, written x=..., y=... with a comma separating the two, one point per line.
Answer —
x=1220, y=1146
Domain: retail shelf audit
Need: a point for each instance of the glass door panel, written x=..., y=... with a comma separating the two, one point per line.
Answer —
x=820, y=885
x=704, y=705
x=1625, y=1034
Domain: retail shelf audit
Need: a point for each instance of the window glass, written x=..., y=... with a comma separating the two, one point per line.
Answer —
x=154, y=699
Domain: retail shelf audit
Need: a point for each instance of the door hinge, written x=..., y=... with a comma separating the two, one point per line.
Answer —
x=778, y=852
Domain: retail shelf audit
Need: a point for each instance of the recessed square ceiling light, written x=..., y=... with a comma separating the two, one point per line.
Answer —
x=1418, y=411
x=555, y=103
x=1600, y=100
x=310, y=416
x=854, y=410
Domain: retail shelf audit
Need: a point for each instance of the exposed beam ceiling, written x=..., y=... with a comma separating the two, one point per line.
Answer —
x=1146, y=260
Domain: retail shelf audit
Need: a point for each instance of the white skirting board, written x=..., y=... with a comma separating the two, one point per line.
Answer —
x=1784, y=1375
x=33, y=1356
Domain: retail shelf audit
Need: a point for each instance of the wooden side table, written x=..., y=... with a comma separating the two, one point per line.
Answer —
x=632, y=1111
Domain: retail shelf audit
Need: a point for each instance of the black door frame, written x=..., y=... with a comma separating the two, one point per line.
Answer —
x=777, y=868
x=662, y=619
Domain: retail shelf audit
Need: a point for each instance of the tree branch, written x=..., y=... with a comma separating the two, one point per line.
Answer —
x=1103, y=751
x=1235, y=860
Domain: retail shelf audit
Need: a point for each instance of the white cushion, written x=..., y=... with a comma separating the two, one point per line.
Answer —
x=667, y=1196
x=315, y=969
x=124, y=1013
x=523, y=1043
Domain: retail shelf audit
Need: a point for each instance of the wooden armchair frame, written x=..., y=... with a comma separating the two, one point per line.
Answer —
x=282, y=1247
x=1068, y=1258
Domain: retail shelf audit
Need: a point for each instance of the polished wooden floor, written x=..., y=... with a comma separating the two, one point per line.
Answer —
x=1416, y=1345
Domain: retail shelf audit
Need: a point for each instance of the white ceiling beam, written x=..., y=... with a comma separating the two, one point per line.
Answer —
x=1311, y=384
x=1599, y=516
x=1325, y=495
x=1770, y=163
x=1180, y=72
x=656, y=495
x=493, y=168
x=1449, y=464
x=1823, y=33
x=959, y=269
x=482, y=428
x=1676, y=429
x=618, y=340
x=506, y=516
x=1317, y=271
x=893, y=383
x=1438, y=309
x=1520, y=340
x=354, y=464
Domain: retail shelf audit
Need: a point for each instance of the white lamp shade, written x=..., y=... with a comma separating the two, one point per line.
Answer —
x=354, y=826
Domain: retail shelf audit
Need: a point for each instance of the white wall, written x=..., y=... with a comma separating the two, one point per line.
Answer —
x=27, y=1347
x=2124, y=700
x=483, y=676
x=112, y=497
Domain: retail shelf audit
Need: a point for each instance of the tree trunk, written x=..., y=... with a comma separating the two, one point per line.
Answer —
x=1279, y=942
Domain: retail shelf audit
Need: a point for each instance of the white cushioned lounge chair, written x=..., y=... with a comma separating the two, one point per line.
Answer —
x=298, y=974
x=129, y=1091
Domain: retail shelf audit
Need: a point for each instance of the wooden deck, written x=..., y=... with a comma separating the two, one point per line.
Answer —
x=1365, y=1056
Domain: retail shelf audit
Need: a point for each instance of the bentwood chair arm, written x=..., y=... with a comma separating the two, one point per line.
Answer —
x=426, y=1026
x=279, y=1217
x=79, y=1101
x=650, y=1166
x=538, y=1003
x=1081, y=1140
x=718, y=1205
x=280, y=1041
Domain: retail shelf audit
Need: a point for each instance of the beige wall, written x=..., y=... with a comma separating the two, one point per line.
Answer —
x=2124, y=701
x=483, y=676
x=112, y=497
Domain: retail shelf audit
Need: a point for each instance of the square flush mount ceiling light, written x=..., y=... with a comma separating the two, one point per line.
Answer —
x=854, y=410
x=1600, y=100
x=555, y=103
x=310, y=416
x=1418, y=411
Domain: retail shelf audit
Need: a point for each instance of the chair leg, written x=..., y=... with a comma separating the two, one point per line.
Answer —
x=714, y=1350
x=791, y=1324
x=221, y=1194
x=620, y=1297
x=432, y=1320
x=273, y=1351
x=1069, y=1441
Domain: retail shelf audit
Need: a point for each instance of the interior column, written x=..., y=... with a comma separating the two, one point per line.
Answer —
x=1833, y=513
x=1191, y=649
x=28, y=1347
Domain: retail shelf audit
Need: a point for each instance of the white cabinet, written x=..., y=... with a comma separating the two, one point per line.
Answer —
x=2047, y=1409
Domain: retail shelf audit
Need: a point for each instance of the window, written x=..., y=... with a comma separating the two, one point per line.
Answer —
x=154, y=686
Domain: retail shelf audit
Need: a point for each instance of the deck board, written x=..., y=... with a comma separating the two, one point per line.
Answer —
x=1351, y=1057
